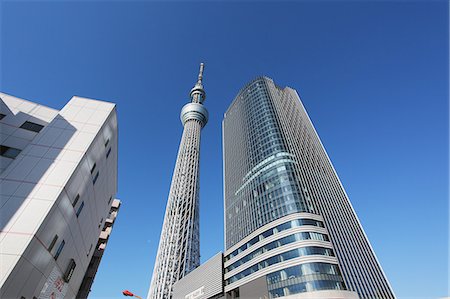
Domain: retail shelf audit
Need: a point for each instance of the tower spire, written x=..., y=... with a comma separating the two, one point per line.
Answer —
x=200, y=74
x=198, y=94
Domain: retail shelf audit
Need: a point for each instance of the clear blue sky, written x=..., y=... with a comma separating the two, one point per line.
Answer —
x=372, y=75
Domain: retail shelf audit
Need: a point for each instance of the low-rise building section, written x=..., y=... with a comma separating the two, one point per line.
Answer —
x=58, y=178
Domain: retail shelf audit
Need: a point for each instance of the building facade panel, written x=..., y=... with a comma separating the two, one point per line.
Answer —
x=275, y=166
x=56, y=193
x=202, y=283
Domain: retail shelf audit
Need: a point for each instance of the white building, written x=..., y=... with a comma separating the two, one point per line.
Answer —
x=58, y=180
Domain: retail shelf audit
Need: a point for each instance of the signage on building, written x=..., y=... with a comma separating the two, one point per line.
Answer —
x=55, y=287
x=195, y=294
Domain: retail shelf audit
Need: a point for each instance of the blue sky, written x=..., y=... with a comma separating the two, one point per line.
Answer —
x=372, y=75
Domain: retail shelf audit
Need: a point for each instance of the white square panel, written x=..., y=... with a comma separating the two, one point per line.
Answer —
x=71, y=156
x=26, y=106
x=88, y=128
x=14, y=243
x=70, y=112
x=91, y=104
x=47, y=192
x=81, y=141
x=60, y=173
x=84, y=114
x=99, y=117
x=8, y=262
x=32, y=216
x=45, y=113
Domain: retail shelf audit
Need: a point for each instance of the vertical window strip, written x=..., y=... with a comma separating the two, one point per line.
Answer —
x=75, y=201
x=60, y=248
x=80, y=208
x=95, y=177
x=52, y=244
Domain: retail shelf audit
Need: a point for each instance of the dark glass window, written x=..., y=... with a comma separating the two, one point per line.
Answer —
x=52, y=244
x=69, y=271
x=108, y=152
x=80, y=208
x=106, y=142
x=9, y=152
x=76, y=200
x=93, y=168
x=95, y=177
x=60, y=248
x=2, y=116
x=30, y=126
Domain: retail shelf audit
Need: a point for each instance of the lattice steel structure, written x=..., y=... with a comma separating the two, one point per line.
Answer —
x=179, y=245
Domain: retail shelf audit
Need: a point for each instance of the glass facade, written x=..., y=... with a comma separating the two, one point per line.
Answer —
x=261, y=184
x=275, y=244
x=304, y=278
x=278, y=229
x=275, y=166
x=285, y=256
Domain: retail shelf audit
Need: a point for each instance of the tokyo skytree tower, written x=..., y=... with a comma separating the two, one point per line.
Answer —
x=179, y=244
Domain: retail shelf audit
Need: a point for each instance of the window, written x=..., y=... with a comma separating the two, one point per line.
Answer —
x=93, y=168
x=76, y=200
x=106, y=142
x=9, y=152
x=108, y=152
x=95, y=177
x=30, y=126
x=110, y=198
x=2, y=116
x=52, y=244
x=69, y=271
x=60, y=248
x=80, y=208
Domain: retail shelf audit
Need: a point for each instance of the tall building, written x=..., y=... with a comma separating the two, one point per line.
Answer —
x=290, y=228
x=58, y=180
x=179, y=246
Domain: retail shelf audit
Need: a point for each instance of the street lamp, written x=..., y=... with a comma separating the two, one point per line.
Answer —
x=128, y=293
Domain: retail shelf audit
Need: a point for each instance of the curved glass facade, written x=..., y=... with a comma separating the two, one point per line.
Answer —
x=274, y=166
x=285, y=256
x=304, y=278
x=278, y=229
x=261, y=184
x=278, y=243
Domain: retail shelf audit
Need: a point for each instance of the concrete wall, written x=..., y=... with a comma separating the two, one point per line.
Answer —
x=39, y=188
x=204, y=282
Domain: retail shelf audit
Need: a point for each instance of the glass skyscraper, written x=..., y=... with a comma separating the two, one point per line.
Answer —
x=289, y=226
